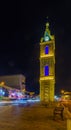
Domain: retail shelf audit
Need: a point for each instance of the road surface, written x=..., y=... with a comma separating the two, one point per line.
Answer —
x=28, y=116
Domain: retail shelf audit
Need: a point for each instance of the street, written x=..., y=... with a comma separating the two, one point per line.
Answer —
x=29, y=115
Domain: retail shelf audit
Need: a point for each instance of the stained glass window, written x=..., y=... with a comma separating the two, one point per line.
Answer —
x=46, y=70
x=46, y=49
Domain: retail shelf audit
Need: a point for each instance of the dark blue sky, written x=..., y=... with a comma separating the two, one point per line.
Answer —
x=22, y=25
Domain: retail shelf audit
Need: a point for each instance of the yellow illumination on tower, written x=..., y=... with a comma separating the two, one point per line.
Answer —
x=47, y=66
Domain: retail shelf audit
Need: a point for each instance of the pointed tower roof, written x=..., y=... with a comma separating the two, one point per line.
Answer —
x=47, y=35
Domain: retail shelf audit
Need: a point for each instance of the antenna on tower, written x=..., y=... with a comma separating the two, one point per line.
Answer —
x=47, y=19
x=47, y=23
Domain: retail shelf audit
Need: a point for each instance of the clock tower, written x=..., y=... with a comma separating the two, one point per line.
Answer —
x=47, y=66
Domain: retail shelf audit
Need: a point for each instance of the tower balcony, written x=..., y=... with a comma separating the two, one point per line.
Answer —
x=47, y=56
x=47, y=78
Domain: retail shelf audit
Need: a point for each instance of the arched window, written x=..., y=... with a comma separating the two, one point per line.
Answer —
x=46, y=70
x=46, y=49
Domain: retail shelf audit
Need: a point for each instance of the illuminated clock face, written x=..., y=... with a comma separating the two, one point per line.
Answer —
x=46, y=38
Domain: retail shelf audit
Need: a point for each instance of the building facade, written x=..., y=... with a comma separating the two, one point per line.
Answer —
x=14, y=81
x=47, y=66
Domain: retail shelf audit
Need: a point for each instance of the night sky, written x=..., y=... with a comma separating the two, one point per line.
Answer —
x=22, y=25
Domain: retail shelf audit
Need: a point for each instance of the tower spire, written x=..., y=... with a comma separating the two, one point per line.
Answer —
x=47, y=26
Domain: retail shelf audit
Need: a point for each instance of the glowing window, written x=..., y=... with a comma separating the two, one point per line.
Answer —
x=46, y=50
x=46, y=70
